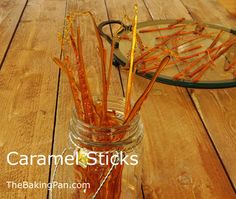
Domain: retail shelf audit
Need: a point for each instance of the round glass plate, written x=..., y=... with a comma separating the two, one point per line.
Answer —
x=180, y=46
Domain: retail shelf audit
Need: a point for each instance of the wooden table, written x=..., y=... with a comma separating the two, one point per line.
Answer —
x=190, y=134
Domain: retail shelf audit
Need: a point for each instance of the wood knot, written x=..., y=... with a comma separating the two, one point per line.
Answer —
x=185, y=179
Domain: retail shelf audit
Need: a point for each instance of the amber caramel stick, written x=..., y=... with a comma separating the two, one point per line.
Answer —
x=178, y=21
x=191, y=49
x=74, y=86
x=102, y=54
x=160, y=29
x=205, y=67
x=131, y=68
x=86, y=96
x=142, y=98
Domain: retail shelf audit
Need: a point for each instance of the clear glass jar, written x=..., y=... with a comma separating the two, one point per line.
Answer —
x=109, y=159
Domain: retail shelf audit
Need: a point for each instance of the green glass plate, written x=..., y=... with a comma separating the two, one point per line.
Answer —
x=214, y=77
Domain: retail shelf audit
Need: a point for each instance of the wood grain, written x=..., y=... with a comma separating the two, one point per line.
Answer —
x=28, y=89
x=209, y=11
x=230, y=5
x=180, y=161
x=10, y=12
x=217, y=107
x=65, y=102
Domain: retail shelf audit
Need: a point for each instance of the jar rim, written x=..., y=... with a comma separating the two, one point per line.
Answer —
x=102, y=136
x=133, y=122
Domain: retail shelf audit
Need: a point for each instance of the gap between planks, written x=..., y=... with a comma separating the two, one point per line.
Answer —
x=29, y=108
x=4, y=54
x=222, y=17
x=200, y=122
x=50, y=173
x=198, y=110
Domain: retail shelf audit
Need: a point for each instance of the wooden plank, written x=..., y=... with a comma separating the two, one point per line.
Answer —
x=179, y=160
x=230, y=5
x=219, y=118
x=10, y=13
x=215, y=12
x=65, y=102
x=28, y=89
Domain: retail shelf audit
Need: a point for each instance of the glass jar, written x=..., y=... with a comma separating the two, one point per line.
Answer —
x=108, y=159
